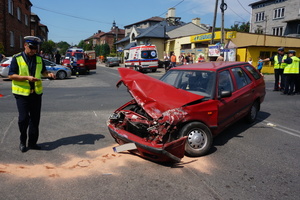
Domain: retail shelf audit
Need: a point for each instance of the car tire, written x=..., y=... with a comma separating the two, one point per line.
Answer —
x=61, y=75
x=252, y=114
x=199, y=139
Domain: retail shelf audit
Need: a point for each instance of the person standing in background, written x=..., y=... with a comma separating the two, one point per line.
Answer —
x=291, y=72
x=278, y=69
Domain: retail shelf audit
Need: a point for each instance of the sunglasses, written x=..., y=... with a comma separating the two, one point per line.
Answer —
x=32, y=47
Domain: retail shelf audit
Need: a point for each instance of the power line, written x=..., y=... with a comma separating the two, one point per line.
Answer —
x=243, y=7
x=173, y=7
x=82, y=18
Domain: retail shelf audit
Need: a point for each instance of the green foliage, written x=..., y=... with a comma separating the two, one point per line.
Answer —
x=243, y=27
x=48, y=47
x=102, y=50
x=62, y=47
x=85, y=46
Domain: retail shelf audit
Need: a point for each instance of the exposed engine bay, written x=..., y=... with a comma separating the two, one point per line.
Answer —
x=135, y=120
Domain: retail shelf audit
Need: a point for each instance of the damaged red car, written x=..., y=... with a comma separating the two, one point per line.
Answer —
x=182, y=112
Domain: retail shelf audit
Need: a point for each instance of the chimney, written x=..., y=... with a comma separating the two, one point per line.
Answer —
x=171, y=12
x=196, y=21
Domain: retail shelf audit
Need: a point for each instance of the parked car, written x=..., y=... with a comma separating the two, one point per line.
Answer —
x=182, y=112
x=110, y=62
x=4, y=66
x=60, y=71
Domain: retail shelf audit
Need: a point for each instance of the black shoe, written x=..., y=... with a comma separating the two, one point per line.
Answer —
x=36, y=147
x=275, y=90
x=22, y=148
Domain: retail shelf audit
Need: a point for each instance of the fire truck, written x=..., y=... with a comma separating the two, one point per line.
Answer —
x=86, y=60
x=142, y=58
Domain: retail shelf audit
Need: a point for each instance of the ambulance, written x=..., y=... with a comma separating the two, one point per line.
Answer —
x=142, y=58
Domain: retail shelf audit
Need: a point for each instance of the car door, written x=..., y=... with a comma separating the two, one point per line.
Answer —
x=243, y=91
x=226, y=105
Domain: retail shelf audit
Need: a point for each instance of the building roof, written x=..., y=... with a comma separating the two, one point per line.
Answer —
x=186, y=30
x=152, y=19
x=157, y=31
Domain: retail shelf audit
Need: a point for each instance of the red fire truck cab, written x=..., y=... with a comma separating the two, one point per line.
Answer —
x=85, y=60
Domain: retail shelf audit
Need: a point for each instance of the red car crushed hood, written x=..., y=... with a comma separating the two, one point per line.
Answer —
x=154, y=96
x=149, y=130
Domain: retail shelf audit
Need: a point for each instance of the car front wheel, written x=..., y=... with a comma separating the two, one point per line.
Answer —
x=199, y=138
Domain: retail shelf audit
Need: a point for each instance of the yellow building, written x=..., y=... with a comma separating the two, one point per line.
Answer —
x=247, y=46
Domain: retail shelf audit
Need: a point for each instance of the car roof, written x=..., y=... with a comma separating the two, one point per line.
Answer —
x=209, y=66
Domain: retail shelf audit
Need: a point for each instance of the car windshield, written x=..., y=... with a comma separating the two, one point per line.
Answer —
x=79, y=56
x=195, y=81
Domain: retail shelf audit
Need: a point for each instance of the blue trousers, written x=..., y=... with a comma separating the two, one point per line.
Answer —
x=29, y=108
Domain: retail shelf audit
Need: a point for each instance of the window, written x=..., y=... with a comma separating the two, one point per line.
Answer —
x=278, y=31
x=186, y=46
x=260, y=16
x=10, y=7
x=225, y=82
x=148, y=54
x=19, y=13
x=12, y=39
x=241, y=77
x=278, y=13
x=253, y=72
x=26, y=19
x=21, y=42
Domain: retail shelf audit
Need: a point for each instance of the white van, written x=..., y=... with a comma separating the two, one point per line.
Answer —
x=142, y=58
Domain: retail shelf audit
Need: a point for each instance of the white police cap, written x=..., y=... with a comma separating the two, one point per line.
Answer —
x=32, y=40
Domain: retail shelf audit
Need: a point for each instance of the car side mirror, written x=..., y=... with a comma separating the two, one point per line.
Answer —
x=225, y=94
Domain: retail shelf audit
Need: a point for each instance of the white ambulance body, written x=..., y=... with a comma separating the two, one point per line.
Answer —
x=142, y=58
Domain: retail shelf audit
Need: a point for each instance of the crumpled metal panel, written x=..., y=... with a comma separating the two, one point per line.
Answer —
x=154, y=96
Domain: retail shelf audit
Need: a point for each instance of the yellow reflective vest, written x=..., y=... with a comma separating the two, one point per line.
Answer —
x=23, y=87
x=278, y=65
x=292, y=68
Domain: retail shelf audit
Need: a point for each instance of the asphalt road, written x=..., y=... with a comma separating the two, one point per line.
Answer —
x=258, y=161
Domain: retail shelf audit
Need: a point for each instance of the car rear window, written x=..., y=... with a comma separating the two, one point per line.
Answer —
x=253, y=72
x=149, y=54
x=242, y=79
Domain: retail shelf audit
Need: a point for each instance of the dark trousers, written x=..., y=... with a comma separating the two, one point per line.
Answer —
x=297, y=84
x=290, y=83
x=279, y=75
x=29, y=108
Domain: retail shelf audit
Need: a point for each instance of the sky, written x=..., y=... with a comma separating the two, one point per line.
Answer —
x=76, y=20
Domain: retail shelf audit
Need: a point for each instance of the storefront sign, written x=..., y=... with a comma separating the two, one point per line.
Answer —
x=207, y=36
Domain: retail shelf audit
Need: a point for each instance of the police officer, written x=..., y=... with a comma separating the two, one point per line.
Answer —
x=291, y=71
x=26, y=70
x=278, y=68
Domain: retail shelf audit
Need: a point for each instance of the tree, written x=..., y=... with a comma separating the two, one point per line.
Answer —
x=62, y=47
x=241, y=27
x=48, y=47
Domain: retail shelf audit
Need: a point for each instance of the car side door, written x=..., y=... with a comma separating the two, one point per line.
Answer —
x=243, y=91
x=226, y=105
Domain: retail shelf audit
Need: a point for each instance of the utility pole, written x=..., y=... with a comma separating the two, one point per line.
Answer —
x=214, y=24
x=223, y=7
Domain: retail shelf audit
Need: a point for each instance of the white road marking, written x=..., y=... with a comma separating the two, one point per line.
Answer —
x=284, y=129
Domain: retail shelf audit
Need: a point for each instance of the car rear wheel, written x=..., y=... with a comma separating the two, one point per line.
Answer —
x=61, y=75
x=199, y=138
x=252, y=115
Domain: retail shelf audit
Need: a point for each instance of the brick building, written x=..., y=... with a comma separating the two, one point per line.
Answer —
x=99, y=38
x=16, y=22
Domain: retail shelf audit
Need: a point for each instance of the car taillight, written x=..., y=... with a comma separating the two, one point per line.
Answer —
x=4, y=65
